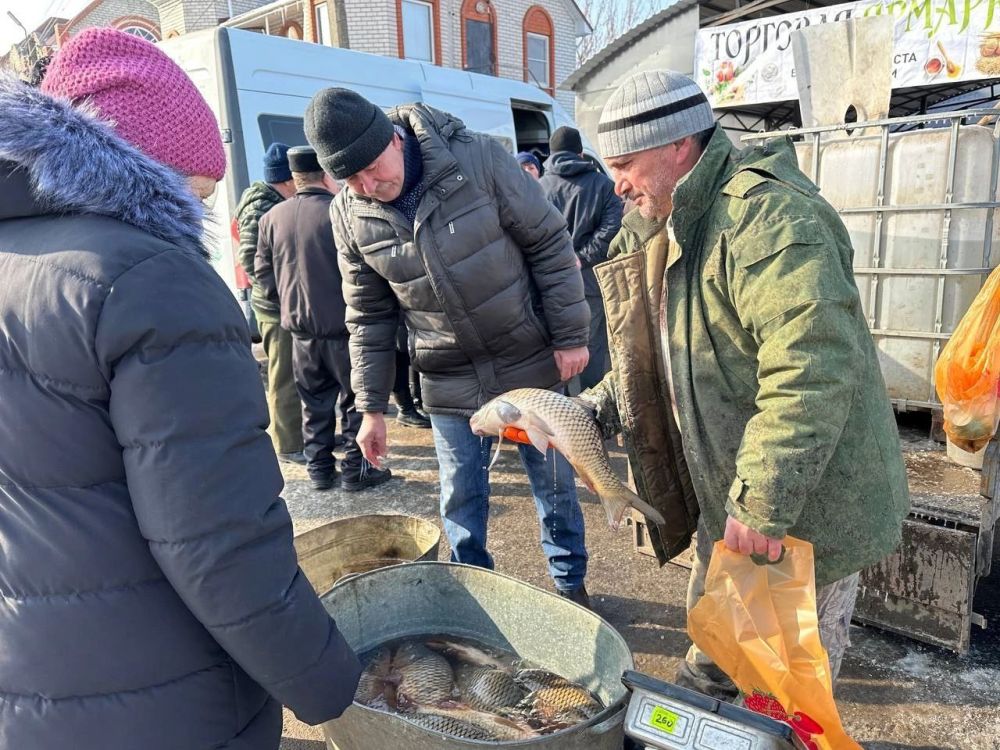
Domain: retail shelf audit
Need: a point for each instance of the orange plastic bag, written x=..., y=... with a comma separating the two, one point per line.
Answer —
x=758, y=623
x=968, y=371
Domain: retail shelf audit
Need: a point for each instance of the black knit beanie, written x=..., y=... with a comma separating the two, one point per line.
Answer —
x=566, y=139
x=347, y=131
x=303, y=159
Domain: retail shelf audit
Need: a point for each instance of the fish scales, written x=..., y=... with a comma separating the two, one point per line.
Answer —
x=498, y=727
x=371, y=685
x=469, y=654
x=424, y=676
x=370, y=689
x=536, y=679
x=448, y=725
x=549, y=418
x=561, y=702
x=488, y=689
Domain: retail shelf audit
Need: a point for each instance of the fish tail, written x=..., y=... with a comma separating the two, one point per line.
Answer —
x=618, y=500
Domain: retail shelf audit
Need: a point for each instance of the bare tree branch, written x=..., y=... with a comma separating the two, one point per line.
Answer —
x=611, y=19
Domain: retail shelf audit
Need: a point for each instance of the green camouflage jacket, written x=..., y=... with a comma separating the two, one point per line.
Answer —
x=783, y=414
x=256, y=201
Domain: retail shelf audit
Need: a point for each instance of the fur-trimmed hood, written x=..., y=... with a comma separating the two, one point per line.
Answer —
x=77, y=164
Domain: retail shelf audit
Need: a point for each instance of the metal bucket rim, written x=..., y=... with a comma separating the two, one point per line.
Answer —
x=462, y=566
x=605, y=715
x=423, y=521
x=609, y=711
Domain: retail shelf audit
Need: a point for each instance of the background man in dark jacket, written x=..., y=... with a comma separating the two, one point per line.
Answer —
x=442, y=223
x=586, y=199
x=282, y=397
x=297, y=265
x=151, y=596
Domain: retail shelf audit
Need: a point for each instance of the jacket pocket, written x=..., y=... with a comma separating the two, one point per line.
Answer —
x=463, y=209
x=771, y=237
x=391, y=246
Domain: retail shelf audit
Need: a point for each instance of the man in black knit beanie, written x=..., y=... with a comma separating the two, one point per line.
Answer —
x=442, y=223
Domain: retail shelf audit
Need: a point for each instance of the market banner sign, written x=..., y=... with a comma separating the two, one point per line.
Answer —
x=935, y=41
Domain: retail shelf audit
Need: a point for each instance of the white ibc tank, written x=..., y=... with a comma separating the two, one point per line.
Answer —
x=906, y=270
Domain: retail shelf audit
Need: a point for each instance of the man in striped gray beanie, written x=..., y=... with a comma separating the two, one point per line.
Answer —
x=745, y=382
x=656, y=124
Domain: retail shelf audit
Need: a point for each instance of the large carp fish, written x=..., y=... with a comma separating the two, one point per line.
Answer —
x=552, y=420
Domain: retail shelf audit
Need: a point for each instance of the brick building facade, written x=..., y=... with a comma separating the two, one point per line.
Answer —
x=135, y=16
x=529, y=40
x=184, y=16
x=377, y=26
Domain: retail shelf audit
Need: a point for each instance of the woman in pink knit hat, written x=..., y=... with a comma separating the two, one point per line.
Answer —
x=150, y=592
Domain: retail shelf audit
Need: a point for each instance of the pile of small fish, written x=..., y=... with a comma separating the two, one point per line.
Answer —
x=469, y=691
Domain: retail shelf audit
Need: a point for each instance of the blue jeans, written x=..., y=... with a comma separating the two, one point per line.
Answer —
x=463, y=459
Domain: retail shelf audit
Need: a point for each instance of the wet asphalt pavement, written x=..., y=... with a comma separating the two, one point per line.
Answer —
x=894, y=694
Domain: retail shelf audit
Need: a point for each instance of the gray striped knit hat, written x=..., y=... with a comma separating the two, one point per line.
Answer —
x=652, y=109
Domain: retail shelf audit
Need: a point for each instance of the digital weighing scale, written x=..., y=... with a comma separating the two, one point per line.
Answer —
x=662, y=716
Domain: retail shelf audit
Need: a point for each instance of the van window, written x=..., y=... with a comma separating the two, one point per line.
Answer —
x=532, y=128
x=282, y=129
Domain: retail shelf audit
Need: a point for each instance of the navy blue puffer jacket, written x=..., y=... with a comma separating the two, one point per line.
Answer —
x=149, y=591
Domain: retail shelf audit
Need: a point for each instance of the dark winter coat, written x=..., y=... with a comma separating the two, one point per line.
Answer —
x=256, y=201
x=297, y=264
x=485, y=276
x=586, y=199
x=150, y=592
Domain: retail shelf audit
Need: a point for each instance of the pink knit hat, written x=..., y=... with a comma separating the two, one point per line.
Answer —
x=144, y=95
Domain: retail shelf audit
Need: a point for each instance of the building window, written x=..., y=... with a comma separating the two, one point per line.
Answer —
x=539, y=55
x=146, y=34
x=322, y=24
x=537, y=52
x=419, y=30
x=138, y=26
x=479, y=37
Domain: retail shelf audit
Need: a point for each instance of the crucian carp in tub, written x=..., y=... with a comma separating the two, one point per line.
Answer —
x=552, y=420
x=470, y=691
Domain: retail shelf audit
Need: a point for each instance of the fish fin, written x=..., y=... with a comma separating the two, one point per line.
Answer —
x=617, y=502
x=538, y=432
x=538, y=438
x=496, y=455
x=648, y=510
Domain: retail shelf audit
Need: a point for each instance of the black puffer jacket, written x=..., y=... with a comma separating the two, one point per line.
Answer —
x=297, y=264
x=256, y=201
x=489, y=285
x=150, y=592
x=587, y=200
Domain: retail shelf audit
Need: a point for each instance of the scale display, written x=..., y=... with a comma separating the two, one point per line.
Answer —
x=662, y=716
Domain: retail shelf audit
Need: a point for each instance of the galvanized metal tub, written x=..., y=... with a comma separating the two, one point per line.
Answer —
x=362, y=543
x=460, y=600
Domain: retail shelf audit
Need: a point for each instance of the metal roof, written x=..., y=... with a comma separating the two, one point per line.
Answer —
x=624, y=41
x=774, y=114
